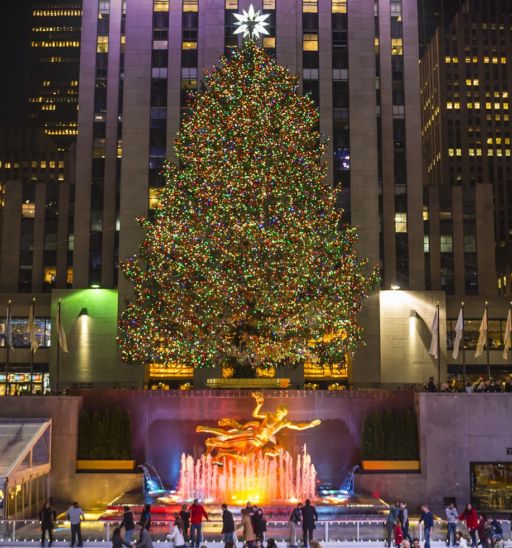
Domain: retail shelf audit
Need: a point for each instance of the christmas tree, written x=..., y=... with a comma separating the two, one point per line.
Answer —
x=246, y=261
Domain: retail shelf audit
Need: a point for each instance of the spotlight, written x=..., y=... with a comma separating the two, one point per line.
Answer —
x=394, y=287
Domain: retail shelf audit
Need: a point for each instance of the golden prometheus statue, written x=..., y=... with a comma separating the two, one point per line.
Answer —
x=235, y=440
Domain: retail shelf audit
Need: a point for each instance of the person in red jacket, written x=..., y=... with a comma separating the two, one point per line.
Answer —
x=197, y=513
x=470, y=516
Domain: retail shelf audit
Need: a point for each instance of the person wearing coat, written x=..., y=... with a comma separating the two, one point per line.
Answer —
x=247, y=529
x=47, y=517
x=118, y=541
x=145, y=540
x=470, y=516
x=309, y=519
x=176, y=535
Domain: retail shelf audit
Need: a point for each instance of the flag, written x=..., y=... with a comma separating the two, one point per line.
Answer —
x=507, y=337
x=32, y=330
x=434, y=344
x=63, y=342
x=8, y=328
x=459, y=333
x=482, y=338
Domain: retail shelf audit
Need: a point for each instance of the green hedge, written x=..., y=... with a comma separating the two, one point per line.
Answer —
x=106, y=435
x=390, y=435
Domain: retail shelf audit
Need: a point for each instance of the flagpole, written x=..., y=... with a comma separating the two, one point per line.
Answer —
x=57, y=376
x=487, y=343
x=463, y=347
x=8, y=340
x=31, y=349
x=438, y=348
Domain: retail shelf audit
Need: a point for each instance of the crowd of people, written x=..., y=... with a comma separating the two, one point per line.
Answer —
x=483, y=530
x=477, y=386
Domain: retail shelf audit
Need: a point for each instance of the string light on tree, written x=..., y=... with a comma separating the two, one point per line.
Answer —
x=251, y=23
x=246, y=262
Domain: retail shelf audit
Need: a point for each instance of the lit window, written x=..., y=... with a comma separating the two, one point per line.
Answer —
x=451, y=152
x=49, y=274
x=191, y=5
x=231, y=4
x=161, y=5
x=458, y=152
x=310, y=6
x=69, y=276
x=476, y=82
x=425, y=213
x=449, y=105
x=61, y=164
x=339, y=6
x=189, y=45
x=400, y=222
x=397, y=46
x=490, y=152
x=471, y=151
x=33, y=164
x=269, y=4
x=447, y=59
x=446, y=244
x=426, y=243
x=102, y=46
x=154, y=198
x=269, y=42
x=28, y=210
x=310, y=42
x=42, y=164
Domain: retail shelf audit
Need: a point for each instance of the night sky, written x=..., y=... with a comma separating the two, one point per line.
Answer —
x=14, y=61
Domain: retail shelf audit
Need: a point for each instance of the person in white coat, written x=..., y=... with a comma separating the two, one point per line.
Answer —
x=176, y=535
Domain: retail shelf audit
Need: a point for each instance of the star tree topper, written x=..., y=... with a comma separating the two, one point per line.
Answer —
x=251, y=23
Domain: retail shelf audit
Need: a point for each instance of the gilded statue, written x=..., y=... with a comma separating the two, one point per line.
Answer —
x=235, y=440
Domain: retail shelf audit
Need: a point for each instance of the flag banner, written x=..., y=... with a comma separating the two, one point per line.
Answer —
x=32, y=330
x=507, y=337
x=434, y=344
x=482, y=338
x=8, y=328
x=459, y=333
x=63, y=342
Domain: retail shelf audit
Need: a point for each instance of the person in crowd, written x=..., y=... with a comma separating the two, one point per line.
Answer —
x=399, y=534
x=470, y=516
x=197, y=513
x=294, y=522
x=431, y=385
x=483, y=530
x=415, y=543
x=469, y=388
x=309, y=519
x=405, y=544
x=145, y=517
x=185, y=518
x=176, y=535
x=259, y=524
x=496, y=533
x=315, y=544
x=145, y=540
x=128, y=523
x=228, y=525
x=230, y=544
x=452, y=517
x=75, y=515
x=460, y=540
x=247, y=529
x=403, y=516
x=427, y=517
x=390, y=522
x=118, y=541
x=47, y=518
x=271, y=543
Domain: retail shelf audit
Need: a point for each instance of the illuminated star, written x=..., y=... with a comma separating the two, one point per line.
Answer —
x=251, y=23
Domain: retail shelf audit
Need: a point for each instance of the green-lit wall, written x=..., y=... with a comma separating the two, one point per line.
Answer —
x=89, y=317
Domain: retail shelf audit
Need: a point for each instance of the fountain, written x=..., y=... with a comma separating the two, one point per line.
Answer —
x=258, y=477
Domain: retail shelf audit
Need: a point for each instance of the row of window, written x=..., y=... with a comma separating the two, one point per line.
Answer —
x=495, y=333
x=21, y=334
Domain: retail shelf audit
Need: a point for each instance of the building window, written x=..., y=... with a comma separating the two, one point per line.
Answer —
x=426, y=243
x=49, y=274
x=231, y=4
x=310, y=6
x=161, y=5
x=469, y=244
x=28, y=210
x=400, y=222
x=339, y=6
x=269, y=4
x=397, y=47
x=310, y=42
x=190, y=5
x=21, y=335
x=446, y=244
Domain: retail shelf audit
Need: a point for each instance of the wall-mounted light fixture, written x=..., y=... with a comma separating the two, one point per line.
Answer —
x=395, y=287
x=83, y=312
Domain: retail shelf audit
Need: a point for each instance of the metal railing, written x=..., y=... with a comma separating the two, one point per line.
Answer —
x=361, y=530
